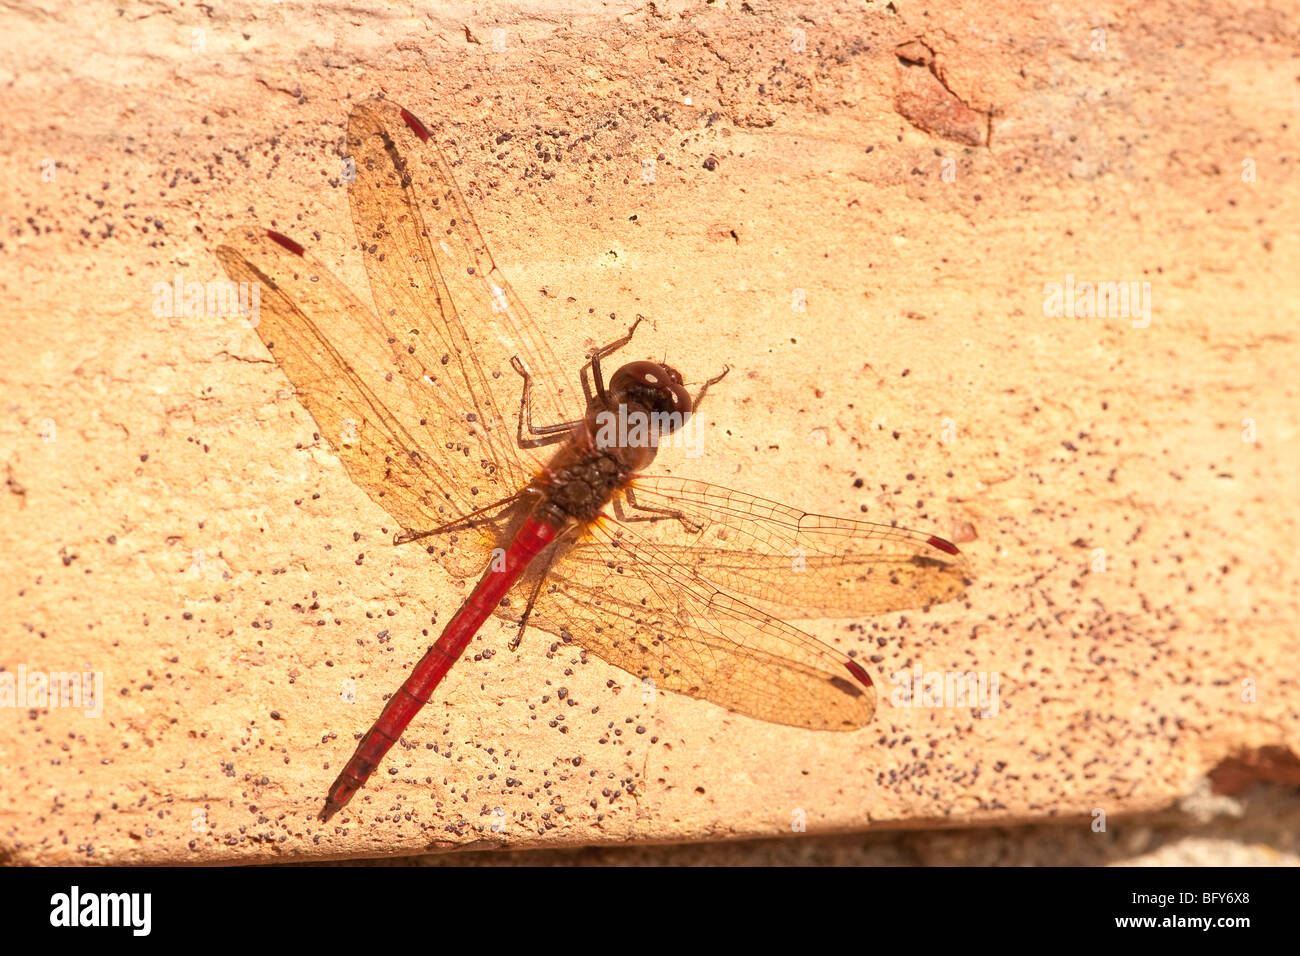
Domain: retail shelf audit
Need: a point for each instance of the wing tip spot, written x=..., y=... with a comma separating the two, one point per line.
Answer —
x=947, y=547
x=856, y=670
x=285, y=241
x=416, y=126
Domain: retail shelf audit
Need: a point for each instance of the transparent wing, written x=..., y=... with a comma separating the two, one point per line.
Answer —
x=425, y=462
x=688, y=586
x=437, y=288
x=632, y=603
x=796, y=564
x=417, y=396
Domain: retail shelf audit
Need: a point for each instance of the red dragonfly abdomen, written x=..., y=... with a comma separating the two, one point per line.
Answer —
x=534, y=535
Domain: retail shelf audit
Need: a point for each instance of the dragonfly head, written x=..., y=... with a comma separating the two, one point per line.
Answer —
x=644, y=404
x=656, y=388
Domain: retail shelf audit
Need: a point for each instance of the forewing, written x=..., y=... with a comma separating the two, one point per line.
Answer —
x=437, y=288
x=688, y=587
x=797, y=564
x=628, y=601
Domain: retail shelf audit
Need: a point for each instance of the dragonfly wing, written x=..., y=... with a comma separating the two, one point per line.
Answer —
x=352, y=380
x=633, y=604
x=799, y=565
x=436, y=286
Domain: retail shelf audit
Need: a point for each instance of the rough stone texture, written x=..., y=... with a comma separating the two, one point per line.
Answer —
x=1261, y=829
x=1125, y=494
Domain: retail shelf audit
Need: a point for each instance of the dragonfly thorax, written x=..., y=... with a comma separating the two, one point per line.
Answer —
x=579, y=482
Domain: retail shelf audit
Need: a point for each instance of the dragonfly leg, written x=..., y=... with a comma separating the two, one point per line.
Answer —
x=593, y=361
x=546, y=562
x=528, y=609
x=471, y=520
x=699, y=397
x=544, y=434
x=651, y=512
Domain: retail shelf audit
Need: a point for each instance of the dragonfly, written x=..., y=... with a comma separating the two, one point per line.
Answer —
x=444, y=402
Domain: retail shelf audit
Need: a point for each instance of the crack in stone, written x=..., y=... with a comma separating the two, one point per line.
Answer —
x=926, y=101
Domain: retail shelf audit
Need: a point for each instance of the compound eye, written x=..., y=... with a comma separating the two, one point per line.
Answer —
x=655, y=376
x=681, y=398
